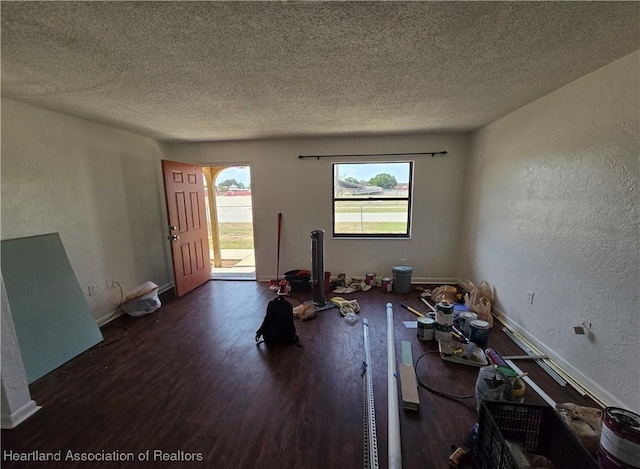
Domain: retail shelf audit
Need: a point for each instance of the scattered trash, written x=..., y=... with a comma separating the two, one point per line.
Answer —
x=584, y=422
x=467, y=446
x=347, y=284
x=351, y=318
x=446, y=293
x=346, y=306
x=478, y=300
x=304, y=312
x=283, y=288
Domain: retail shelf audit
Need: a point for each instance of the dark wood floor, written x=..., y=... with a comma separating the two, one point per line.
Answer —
x=189, y=378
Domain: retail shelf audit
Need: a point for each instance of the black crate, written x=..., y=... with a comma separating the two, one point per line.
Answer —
x=537, y=429
x=299, y=280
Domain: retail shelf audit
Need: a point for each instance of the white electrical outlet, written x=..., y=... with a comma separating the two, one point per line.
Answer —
x=92, y=290
x=111, y=283
x=530, y=297
x=370, y=256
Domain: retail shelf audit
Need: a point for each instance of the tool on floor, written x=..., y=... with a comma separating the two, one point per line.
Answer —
x=520, y=341
x=468, y=445
x=412, y=310
x=524, y=357
x=370, y=436
x=433, y=310
x=498, y=362
x=459, y=335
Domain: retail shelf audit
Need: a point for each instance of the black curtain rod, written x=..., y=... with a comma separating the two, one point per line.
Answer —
x=432, y=153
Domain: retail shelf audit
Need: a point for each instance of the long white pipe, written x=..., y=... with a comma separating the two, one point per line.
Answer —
x=395, y=451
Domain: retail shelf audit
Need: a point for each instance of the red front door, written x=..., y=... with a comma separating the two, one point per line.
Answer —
x=188, y=231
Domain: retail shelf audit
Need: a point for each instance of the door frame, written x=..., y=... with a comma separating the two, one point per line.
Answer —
x=211, y=172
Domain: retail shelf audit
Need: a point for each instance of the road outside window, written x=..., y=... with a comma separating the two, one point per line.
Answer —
x=372, y=200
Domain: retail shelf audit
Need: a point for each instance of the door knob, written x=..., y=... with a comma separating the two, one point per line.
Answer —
x=173, y=227
x=173, y=237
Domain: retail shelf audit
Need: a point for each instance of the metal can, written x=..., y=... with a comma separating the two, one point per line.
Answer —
x=620, y=439
x=444, y=313
x=426, y=328
x=458, y=309
x=370, y=279
x=443, y=332
x=479, y=332
x=465, y=321
x=387, y=284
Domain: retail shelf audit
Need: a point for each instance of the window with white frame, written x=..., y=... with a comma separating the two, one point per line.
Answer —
x=372, y=200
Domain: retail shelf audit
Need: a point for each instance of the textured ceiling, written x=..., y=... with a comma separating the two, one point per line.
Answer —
x=240, y=70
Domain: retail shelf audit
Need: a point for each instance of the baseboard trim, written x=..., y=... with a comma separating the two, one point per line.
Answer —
x=592, y=389
x=434, y=280
x=414, y=280
x=19, y=416
x=106, y=319
x=165, y=287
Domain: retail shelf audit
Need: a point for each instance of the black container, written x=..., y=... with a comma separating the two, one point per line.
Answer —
x=300, y=280
x=537, y=429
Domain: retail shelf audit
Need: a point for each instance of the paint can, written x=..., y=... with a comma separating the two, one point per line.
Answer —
x=370, y=279
x=465, y=321
x=443, y=332
x=426, y=328
x=444, y=313
x=479, y=332
x=387, y=284
x=620, y=439
x=458, y=308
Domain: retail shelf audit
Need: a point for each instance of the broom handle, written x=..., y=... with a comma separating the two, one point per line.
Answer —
x=278, y=259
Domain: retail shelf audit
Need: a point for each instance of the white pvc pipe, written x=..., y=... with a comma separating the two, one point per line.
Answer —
x=395, y=451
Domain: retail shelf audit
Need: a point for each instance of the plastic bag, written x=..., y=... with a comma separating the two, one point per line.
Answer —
x=304, y=312
x=493, y=385
x=478, y=300
x=584, y=422
x=142, y=300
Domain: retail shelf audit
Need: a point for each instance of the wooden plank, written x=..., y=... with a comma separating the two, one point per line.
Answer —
x=409, y=387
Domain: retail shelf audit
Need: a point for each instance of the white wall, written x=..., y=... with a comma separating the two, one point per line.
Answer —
x=95, y=185
x=302, y=190
x=552, y=207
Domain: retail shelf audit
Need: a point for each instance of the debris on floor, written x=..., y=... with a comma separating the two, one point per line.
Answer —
x=346, y=284
x=304, y=312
